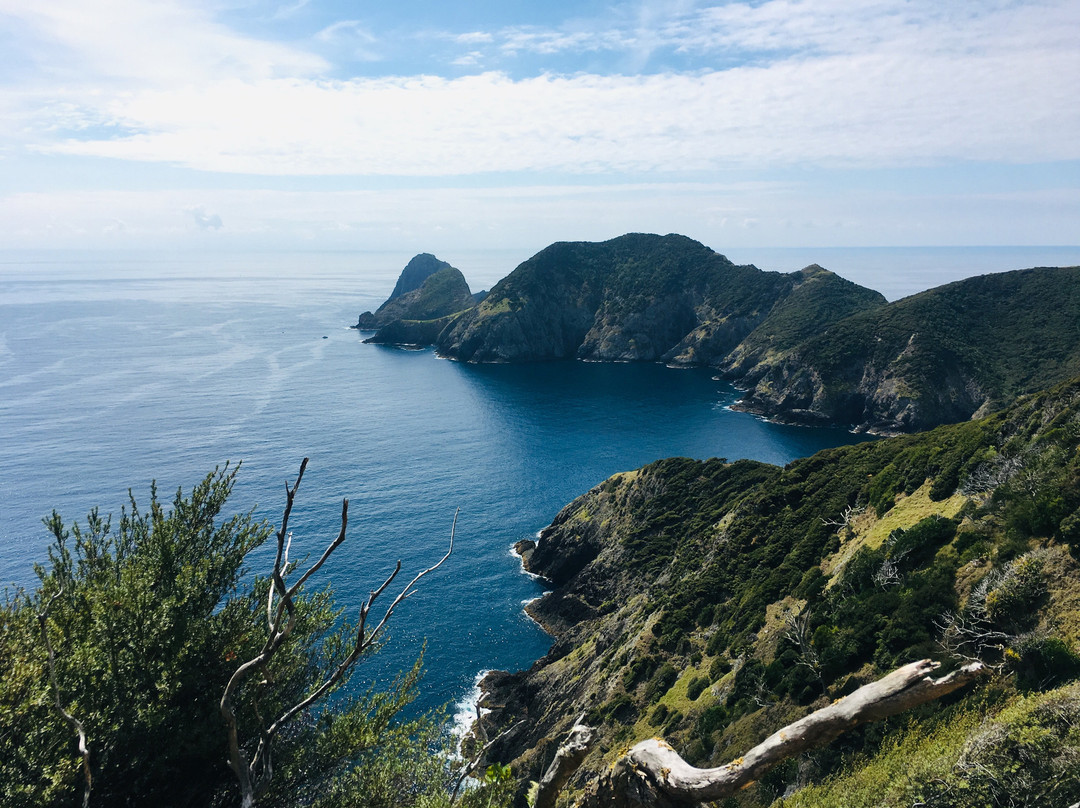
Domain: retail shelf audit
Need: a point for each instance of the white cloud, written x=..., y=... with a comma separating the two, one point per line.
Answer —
x=204, y=220
x=865, y=84
x=160, y=43
x=788, y=83
x=864, y=110
x=474, y=38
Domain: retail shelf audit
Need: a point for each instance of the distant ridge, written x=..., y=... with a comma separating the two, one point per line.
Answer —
x=808, y=347
x=642, y=297
x=944, y=355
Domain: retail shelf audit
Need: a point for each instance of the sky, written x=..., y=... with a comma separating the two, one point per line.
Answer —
x=428, y=126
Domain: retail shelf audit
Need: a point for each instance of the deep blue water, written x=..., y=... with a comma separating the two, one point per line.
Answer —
x=114, y=372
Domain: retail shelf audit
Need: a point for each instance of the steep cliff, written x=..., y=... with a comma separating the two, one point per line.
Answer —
x=711, y=603
x=426, y=289
x=640, y=297
x=940, y=356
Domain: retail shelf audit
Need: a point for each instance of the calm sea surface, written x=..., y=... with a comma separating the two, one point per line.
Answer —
x=117, y=370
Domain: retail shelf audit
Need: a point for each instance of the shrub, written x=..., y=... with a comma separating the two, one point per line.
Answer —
x=696, y=686
x=660, y=682
x=718, y=667
x=1045, y=662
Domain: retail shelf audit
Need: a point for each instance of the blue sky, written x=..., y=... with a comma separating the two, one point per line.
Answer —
x=420, y=125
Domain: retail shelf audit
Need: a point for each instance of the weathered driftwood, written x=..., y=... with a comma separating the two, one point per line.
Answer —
x=653, y=774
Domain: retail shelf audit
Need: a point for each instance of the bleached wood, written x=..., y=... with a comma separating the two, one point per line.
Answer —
x=567, y=760
x=653, y=774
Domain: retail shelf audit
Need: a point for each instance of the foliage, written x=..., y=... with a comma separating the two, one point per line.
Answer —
x=956, y=328
x=1022, y=755
x=149, y=616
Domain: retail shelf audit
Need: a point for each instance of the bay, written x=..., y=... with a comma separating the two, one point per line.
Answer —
x=116, y=370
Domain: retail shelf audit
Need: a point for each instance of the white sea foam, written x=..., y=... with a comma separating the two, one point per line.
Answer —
x=467, y=709
x=514, y=552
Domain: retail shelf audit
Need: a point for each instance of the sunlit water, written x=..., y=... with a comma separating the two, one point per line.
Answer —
x=118, y=370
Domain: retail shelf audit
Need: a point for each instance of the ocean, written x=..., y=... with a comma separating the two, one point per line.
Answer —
x=119, y=369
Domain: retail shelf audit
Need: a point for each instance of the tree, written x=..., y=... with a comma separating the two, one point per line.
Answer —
x=254, y=769
x=149, y=617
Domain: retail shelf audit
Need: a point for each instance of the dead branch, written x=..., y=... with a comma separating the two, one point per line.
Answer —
x=73, y=722
x=847, y=516
x=653, y=774
x=254, y=775
x=470, y=767
x=798, y=634
x=567, y=760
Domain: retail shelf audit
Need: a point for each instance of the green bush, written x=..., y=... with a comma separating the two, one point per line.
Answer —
x=718, y=667
x=661, y=682
x=149, y=616
x=696, y=686
x=1044, y=662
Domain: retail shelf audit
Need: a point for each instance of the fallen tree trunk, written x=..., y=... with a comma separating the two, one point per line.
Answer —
x=653, y=775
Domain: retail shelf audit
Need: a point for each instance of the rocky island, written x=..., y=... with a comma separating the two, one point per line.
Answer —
x=429, y=292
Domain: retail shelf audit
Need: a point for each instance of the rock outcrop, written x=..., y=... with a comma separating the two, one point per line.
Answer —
x=426, y=289
x=941, y=356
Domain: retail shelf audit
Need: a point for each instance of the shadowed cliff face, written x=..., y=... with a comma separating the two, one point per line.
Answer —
x=426, y=289
x=807, y=347
x=635, y=298
x=418, y=316
x=941, y=356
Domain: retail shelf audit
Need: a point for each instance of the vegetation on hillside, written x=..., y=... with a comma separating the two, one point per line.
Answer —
x=717, y=602
x=643, y=297
x=706, y=602
x=932, y=358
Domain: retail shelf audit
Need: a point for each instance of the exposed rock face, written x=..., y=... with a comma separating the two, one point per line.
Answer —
x=807, y=347
x=941, y=356
x=635, y=298
x=602, y=597
x=409, y=333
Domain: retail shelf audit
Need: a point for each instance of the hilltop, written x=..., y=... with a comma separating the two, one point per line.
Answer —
x=807, y=347
x=427, y=290
x=643, y=297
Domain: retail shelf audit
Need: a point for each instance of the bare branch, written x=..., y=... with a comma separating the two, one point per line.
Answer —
x=254, y=775
x=73, y=722
x=471, y=767
x=847, y=516
x=798, y=634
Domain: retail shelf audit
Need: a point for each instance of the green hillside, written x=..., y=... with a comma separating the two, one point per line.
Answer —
x=642, y=297
x=711, y=603
x=939, y=356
